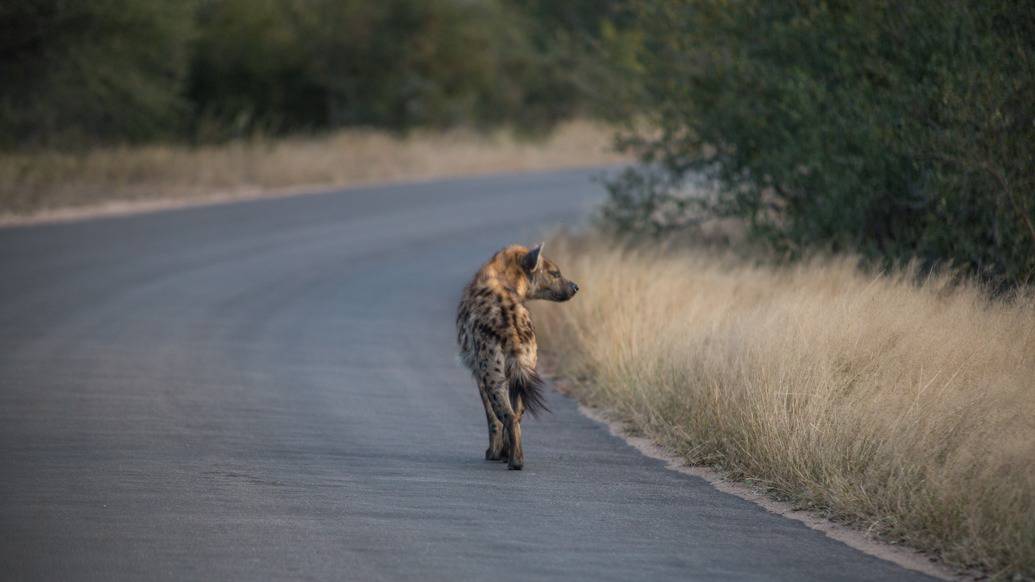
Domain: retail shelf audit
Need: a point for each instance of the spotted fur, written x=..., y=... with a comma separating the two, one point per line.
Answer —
x=497, y=341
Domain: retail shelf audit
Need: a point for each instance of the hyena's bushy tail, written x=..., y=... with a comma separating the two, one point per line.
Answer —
x=526, y=383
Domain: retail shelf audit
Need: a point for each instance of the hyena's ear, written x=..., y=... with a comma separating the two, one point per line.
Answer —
x=533, y=260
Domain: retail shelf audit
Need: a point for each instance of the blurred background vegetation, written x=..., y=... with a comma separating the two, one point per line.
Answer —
x=894, y=130
x=77, y=74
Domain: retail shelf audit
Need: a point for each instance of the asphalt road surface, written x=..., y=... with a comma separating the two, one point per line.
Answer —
x=269, y=390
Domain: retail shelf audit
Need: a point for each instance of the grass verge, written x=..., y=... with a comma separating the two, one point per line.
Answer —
x=904, y=409
x=41, y=182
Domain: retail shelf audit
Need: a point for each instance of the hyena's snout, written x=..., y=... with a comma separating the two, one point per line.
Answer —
x=568, y=291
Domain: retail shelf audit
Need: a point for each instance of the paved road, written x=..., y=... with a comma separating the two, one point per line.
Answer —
x=268, y=390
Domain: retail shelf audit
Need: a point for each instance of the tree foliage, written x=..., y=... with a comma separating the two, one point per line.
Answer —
x=896, y=130
x=129, y=70
x=103, y=69
x=328, y=63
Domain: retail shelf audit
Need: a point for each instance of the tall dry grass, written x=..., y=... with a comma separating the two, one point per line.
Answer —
x=42, y=181
x=905, y=409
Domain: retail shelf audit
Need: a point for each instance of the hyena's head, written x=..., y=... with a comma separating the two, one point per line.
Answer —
x=545, y=280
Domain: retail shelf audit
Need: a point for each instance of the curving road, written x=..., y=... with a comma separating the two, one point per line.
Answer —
x=268, y=390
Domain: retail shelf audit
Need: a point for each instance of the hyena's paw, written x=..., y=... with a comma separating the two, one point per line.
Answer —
x=491, y=455
x=516, y=462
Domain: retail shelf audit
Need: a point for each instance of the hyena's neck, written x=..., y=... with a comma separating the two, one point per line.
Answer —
x=508, y=289
x=505, y=275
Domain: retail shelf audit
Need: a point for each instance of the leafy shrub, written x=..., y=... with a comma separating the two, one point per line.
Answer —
x=78, y=73
x=400, y=63
x=896, y=130
x=108, y=69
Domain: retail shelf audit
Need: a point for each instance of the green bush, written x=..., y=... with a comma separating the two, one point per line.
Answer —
x=895, y=130
x=279, y=64
x=102, y=69
x=80, y=73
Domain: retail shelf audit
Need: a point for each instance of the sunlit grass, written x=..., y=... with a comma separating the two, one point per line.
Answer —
x=906, y=409
x=41, y=181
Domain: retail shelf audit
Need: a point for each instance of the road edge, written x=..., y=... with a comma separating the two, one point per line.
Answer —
x=905, y=557
x=119, y=207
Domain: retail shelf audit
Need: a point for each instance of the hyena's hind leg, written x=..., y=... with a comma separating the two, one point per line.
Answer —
x=499, y=398
x=497, y=449
x=518, y=406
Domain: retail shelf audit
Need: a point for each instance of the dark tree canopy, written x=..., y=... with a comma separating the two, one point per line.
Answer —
x=895, y=130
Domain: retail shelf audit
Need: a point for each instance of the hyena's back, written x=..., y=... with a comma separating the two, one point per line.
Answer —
x=496, y=337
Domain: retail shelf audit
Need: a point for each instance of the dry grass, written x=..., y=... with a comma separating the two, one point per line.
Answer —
x=907, y=410
x=42, y=181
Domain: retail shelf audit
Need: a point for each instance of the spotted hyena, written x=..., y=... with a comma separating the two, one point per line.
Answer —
x=497, y=341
